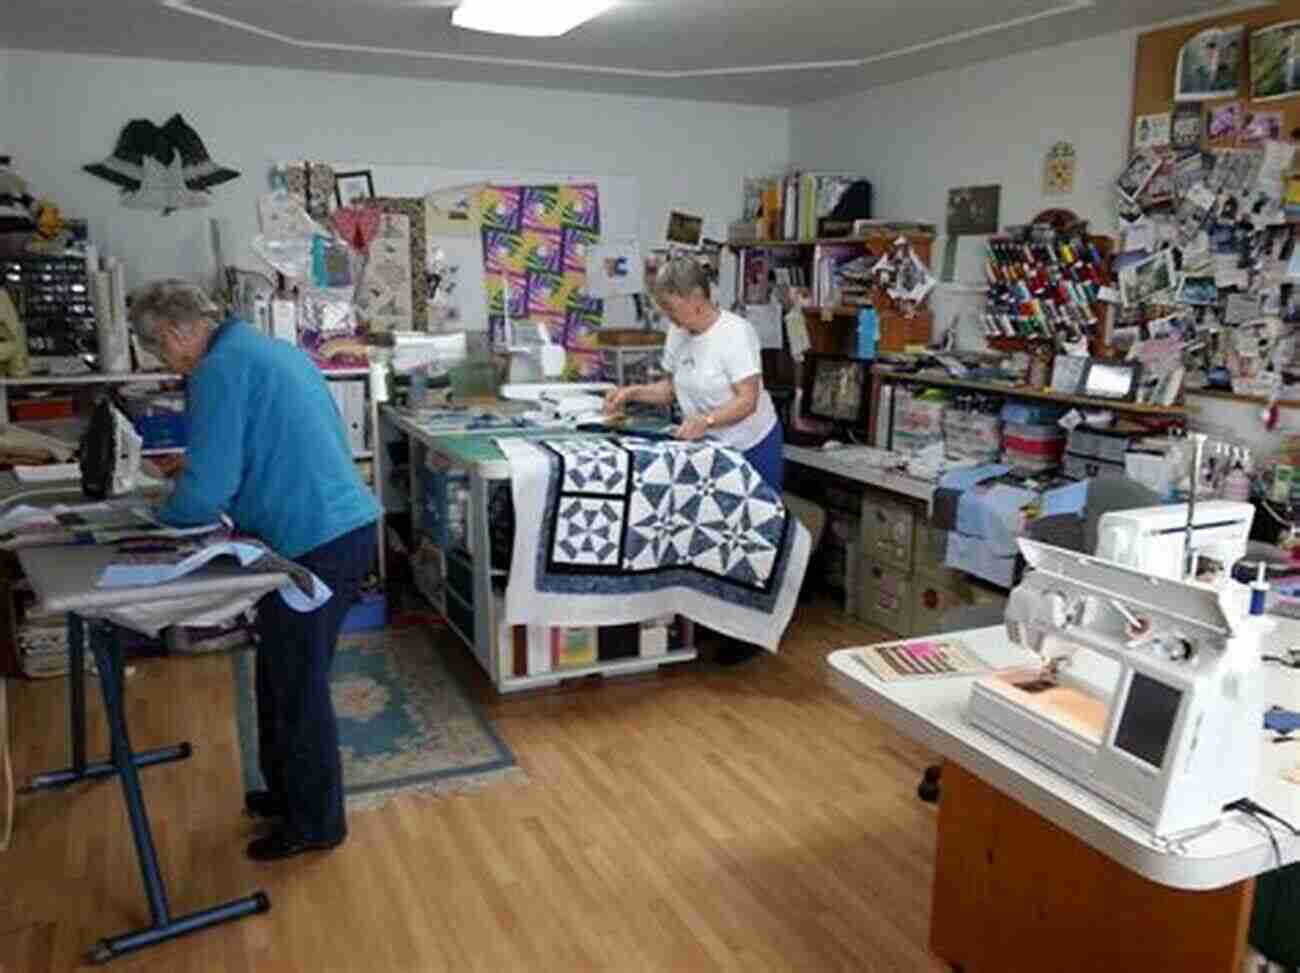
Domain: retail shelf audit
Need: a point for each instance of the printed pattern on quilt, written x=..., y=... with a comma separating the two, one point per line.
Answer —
x=656, y=511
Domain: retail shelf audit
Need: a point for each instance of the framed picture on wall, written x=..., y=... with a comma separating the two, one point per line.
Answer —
x=351, y=187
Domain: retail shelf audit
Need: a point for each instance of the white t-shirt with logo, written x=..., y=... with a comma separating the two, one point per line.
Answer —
x=704, y=368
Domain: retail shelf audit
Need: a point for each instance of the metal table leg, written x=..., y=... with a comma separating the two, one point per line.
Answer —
x=125, y=764
x=80, y=770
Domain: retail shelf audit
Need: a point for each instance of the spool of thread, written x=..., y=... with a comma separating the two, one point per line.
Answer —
x=1258, y=590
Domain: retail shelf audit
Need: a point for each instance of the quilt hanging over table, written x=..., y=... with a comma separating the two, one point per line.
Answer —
x=615, y=531
x=535, y=243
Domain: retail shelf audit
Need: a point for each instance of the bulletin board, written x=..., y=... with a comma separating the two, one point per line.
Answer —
x=1157, y=65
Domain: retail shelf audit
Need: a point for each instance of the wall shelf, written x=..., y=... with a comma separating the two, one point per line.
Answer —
x=873, y=238
x=1042, y=395
x=1235, y=397
x=90, y=378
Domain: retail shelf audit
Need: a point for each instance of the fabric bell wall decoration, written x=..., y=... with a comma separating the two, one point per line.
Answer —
x=161, y=168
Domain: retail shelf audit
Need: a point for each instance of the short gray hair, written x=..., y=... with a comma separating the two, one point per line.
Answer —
x=682, y=277
x=171, y=302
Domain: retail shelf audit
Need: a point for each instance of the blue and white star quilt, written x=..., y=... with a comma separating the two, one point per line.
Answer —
x=612, y=531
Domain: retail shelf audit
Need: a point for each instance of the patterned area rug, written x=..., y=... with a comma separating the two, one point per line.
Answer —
x=404, y=723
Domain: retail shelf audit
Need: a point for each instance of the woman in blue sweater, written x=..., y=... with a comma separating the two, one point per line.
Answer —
x=267, y=449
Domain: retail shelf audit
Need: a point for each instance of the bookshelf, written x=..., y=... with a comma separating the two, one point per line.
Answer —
x=1012, y=391
x=832, y=323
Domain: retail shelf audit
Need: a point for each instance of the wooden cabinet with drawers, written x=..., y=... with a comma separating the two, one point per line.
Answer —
x=903, y=585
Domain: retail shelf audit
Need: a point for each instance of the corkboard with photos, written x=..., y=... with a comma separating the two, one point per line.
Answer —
x=1228, y=85
x=1263, y=34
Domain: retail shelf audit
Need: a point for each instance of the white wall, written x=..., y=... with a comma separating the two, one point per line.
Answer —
x=65, y=111
x=988, y=123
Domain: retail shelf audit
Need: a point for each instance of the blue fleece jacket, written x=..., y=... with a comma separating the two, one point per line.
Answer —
x=267, y=447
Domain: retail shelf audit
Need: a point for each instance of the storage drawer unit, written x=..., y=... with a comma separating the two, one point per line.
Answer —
x=1094, y=452
x=887, y=531
x=930, y=552
x=886, y=597
x=932, y=599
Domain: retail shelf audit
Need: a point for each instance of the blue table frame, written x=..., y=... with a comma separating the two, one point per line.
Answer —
x=125, y=763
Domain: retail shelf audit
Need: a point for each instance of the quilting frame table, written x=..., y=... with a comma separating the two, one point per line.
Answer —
x=476, y=453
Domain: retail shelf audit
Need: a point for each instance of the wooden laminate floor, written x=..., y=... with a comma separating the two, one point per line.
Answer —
x=704, y=818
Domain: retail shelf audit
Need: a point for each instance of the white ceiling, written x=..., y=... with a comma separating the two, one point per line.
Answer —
x=767, y=52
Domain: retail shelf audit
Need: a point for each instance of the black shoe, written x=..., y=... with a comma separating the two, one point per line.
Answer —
x=263, y=804
x=281, y=844
x=733, y=652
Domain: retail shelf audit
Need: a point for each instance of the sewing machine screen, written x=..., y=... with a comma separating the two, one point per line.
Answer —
x=1147, y=723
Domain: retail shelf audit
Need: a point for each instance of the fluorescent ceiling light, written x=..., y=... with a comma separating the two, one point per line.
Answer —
x=527, y=18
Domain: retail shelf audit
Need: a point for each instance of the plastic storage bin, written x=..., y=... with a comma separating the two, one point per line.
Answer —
x=369, y=614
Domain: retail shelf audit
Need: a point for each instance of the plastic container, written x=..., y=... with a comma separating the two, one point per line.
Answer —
x=369, y=614
x=164, y=430
x=29, y=410
x=473, y=379
x=1034, y=433
x=1034, y=447
x=1029, y=462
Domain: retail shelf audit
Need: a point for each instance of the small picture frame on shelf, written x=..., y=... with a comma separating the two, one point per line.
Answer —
x=1067, y=374
x=350, y=187
x=1110, y=380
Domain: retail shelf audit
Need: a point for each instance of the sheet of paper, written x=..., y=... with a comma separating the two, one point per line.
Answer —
x=1140, y=235
x=1240, y=308
x=615, y=269
x=796, y=329
x=1227, y=273
x=766, y=319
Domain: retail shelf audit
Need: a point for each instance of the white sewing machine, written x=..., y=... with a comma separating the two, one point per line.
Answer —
x=1147, y=693
x=533, y=357
x=561, y=402
x=1154, y=539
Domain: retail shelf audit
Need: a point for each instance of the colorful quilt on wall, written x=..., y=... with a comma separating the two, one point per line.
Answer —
x=614, y=531
x=535, y=243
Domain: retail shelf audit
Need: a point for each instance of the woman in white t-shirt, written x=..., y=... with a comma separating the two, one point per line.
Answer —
x=715, y=373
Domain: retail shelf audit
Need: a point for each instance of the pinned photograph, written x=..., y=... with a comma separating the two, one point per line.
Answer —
x=685, y=229
x=1193, y=213
x=1188, y=171
x=1260, y=126
x=1160, y=187
x=1209, y=65
x=1149, y=281
x=1137, y=174
x=1275, y=61
x=1200, y=291
x=1151, y=132
x=1224, y=122
x=351, y=188
x=974, y=210
x=1185, y=127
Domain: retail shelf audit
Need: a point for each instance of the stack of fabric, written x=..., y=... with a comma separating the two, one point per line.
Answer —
x=918, y=420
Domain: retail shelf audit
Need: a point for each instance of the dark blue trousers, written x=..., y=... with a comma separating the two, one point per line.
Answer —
x=298, y=740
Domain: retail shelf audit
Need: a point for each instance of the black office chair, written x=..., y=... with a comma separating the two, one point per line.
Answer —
x=1106, y=494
